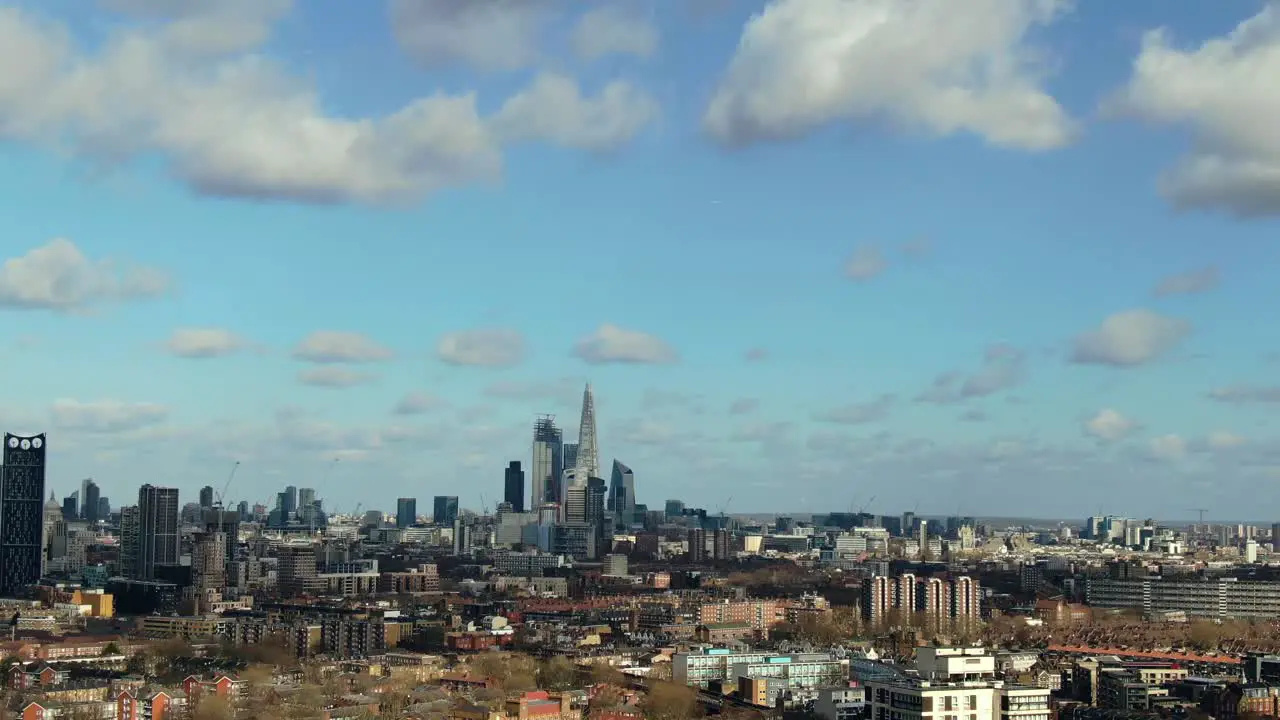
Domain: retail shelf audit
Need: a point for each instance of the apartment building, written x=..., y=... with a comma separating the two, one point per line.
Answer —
x=1217, y=598
x=712, y=665
x=954, y=684
x=957, y=598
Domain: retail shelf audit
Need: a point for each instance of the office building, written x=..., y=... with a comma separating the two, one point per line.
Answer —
x=158, y=534
x=445, y=509
x=406, y=512
x=569, y=456
x=89, y=505
x=289, y=504
x=954, y=682
x=546, y=468
x=513, y=487
x=71, y=506
x=22, y=478
x=129, y=528
x=206, y=496
x=622, y=494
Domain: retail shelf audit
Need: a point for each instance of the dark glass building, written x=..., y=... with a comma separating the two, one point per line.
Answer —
x=446, y=509
x=406, y=512
x=21, y=512
x=513, y=486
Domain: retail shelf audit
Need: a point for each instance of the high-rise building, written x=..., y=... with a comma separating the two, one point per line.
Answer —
x=622, y=494
x=406, y=512
x=226, y=522
x=71, y=506
x=513, y=486
x=588, y=458
x=243, y=509
x=129, y=528
x=89, y=504
x=21, y=512
x=104, y=508
x=569, y=456
x=296, y=574
x=290, y=507
x=206, y=496
x=445, y=509
x=157, y=529
x=545, y=470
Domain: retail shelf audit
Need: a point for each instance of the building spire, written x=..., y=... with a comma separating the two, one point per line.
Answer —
x=588, y=465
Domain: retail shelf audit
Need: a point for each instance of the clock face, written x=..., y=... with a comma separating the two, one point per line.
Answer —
x=26, y=444
x=13, y=442
x=37, y=443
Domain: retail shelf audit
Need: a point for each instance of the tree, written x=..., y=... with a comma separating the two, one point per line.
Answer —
x=510, y=671
x=558, y=673
x=213, y=707
x=1203, y=635
x=670, y=701
x=110, y=649
x=605, y=674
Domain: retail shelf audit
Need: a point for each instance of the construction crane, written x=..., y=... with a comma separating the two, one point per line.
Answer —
x=221, y=498
x=862, y=510
x=1202, y=511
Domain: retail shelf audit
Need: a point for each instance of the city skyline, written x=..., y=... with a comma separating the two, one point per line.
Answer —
x=1045, y=290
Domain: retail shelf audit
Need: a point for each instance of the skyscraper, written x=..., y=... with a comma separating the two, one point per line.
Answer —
x=21, y=512
x=588, y=459
x=569, y=456
x=445, y=510
x=157, y=529
x=622, y=494
x=89, y=501
x=71, y=506
x=290, y=507
x=513, y=486
x=406, y=512
x=206, y=496
x=544, y=471
x=129, y=541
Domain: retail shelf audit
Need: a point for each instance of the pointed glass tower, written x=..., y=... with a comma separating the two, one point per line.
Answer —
x=588, y=464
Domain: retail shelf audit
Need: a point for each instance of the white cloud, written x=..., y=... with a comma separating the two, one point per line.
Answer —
x=614, y=30
x=1003, y=367
x=199, y=343
x=490, y=35
x=857, y=413
x=867, y=262
x=142, y=92
x=416, y=404
x=1109, y=426
x=612, y=344
x=484, y=348
x=1129, y=338
x=1224, y=92
x=1247, y=394
x=1168, y=447
x=933, y=65
x=554, y=109
x=331, y=346
x=1188, y=283
x=1225, y=440
x=105, y=416
x=57, y=276
x=333, y=376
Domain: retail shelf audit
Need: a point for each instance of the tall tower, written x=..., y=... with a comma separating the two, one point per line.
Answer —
x=158, y=532
x=21, y=512
x=588, y=463
x=545, y=470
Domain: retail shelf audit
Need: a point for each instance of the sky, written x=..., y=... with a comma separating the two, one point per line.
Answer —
x=999, y=257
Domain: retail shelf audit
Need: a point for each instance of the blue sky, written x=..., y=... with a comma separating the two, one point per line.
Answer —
x=1010, y=259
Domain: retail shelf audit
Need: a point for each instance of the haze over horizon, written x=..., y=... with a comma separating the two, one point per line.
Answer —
x=1004, y=257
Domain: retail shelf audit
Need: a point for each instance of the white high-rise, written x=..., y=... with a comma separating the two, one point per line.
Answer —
x=588, y=461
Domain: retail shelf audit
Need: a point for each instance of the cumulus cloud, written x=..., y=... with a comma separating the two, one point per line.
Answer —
x=105, y=416
x=1188, y=283
x=1002, y=367
x=867, y=262
x=202, y=343
x=169, y=88
x=1109, y=426
x=614, y=29
x=857, y=413
x=554, y=109
x=1129, y=338
x=490, y=35
x=1246, y=394
x=416, y=404
x=1224, y=92
x=332, y=346
x=1225, y=440
x=482, y=348
x=57, y=276
x=931, y=65
x=612, y=344
x=333, y=376
x=1168, y=448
